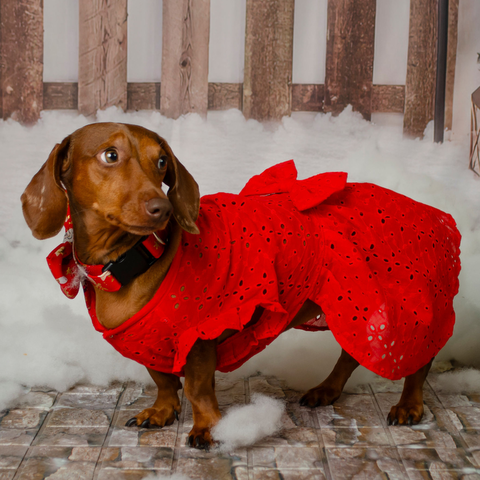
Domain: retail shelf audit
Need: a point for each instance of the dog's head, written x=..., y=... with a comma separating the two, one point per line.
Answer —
x=114, y=171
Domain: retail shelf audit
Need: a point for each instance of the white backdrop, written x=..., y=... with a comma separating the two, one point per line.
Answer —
x=227, y=34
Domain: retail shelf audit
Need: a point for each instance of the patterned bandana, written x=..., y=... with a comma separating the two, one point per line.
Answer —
x=70, y=272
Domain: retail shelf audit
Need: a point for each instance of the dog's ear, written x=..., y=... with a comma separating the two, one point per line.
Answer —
x=183, y=193
x=44, y=201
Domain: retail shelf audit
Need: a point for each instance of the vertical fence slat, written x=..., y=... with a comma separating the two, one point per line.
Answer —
x=421, y=67
x=451, y=60
x=267, y=87
x=186, y=33
x=350, y=52
x=21, y=47
x=102, y=69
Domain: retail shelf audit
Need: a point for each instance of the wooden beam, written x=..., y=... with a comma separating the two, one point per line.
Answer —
x=421, y=67
x=60, y=96
x=21, y=59
x=186, y=33
x=451, y=61
x=350, y=51
x=142, y=96
x=388, y=98
x=307, y=97
x=102, y=71
x=268, y=59
x=222, y=96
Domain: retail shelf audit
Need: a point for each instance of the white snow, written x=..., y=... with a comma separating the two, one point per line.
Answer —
x=47, y=339
x=247, y=424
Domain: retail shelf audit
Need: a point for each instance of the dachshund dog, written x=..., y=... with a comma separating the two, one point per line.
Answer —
x=107, y=178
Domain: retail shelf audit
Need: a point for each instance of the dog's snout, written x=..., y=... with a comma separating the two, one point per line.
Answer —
x=158, y=208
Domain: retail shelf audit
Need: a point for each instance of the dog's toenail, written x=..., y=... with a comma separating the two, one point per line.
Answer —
x=132, y=421
x=410, y=420
x=176, y=414
x=145, y=423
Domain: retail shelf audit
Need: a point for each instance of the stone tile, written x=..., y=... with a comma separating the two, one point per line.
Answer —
x=113, y=388
x=22, y=418
x=90, y=401
x=265, y=386
x=458, y=400
x=42, y=400
x=7, y=474
x=139, y=397
x=287, y=457
x=225, y=383
x=16, y=437
x=417, y=436
x=350, y=411
x=433, y=459
x=11, y=456
x=152, y=458
x=198, y=464
x=297, y=436
x=355, y=437
x=59, y=463
x=469, y=417
x=270, y=474
x=79, y=417
x=365, y=463
x=436, y=474
x=471, y=437
x=72, y=436
x=127, y=474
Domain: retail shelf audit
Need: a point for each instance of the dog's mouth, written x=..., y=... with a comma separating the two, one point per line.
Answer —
x=142, y=230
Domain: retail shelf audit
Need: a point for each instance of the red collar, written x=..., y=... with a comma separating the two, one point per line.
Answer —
x=70, y=272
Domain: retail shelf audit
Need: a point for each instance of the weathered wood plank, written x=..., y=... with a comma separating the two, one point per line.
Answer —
x=102, y=72
x=268, y=59
x=186, y=32
x=350, y=51
x=421, y=67
x=21, y=59
x=388, y=98
x=451, y=61
x=222, y=96
x=60, y=96
x=307, y=97
x=142, y=96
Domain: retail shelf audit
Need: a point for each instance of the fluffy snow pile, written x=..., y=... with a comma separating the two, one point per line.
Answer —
x=247, y=424
x=49, y=340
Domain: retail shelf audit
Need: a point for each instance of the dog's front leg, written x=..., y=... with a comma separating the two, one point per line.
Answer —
x=200, y=391
x=167, y=405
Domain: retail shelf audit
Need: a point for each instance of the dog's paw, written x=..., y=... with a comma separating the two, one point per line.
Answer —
x=159, y=417
x=405, y=414
x=319, y=397
x=200, y=438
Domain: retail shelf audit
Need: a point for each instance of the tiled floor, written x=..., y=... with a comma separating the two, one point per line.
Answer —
x=80, y=434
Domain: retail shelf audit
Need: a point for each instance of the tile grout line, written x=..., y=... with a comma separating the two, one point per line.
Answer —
x=177, y=447
x=321, y=443
x=96, y=469
x=42, y=427
x=389, y=433
x=246, y=384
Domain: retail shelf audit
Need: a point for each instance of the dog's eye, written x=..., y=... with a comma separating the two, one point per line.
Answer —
x=109, y=156
x=162, y=162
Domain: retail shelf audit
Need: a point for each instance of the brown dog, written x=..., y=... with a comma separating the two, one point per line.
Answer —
x=112, y=176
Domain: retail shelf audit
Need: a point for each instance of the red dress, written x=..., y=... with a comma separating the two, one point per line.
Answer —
x=383, y=267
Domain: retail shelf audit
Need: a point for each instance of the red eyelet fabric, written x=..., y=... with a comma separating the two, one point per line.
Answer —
x=382, y=267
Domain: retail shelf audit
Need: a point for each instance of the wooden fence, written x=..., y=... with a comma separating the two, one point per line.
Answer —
x=267, y=91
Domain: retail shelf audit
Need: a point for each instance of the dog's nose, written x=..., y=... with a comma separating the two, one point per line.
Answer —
x=158, y=208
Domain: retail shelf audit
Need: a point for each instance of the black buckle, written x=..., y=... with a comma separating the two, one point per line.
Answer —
x=131, y=264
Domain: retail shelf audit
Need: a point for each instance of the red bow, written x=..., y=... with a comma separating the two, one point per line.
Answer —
x=70, y=272
x=308, y=193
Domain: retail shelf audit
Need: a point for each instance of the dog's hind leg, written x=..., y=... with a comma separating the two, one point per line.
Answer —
x=200, y=391
x=167, y=405
x=409, y=410
x=331, y=388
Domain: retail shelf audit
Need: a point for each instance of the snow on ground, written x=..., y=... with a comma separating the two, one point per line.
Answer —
x=47, y=339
